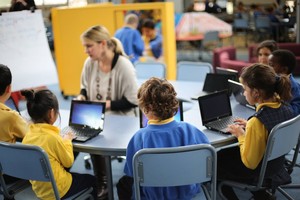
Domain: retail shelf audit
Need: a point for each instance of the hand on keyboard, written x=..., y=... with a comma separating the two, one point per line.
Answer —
x=69, y=136
x=236, y=130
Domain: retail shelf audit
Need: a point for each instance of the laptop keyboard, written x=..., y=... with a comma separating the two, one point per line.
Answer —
x=223, y=123
x=80, y=134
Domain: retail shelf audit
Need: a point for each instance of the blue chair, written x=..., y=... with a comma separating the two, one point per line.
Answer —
x=175, y=166
x=29, y=162
x=282, y=139
x=193, y=71
x=209, y=42
x=242, y=26
x=146, y=70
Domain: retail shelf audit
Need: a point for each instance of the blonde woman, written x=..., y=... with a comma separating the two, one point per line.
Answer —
x=108, y=75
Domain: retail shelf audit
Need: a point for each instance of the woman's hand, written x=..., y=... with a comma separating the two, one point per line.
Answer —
x=81, y=97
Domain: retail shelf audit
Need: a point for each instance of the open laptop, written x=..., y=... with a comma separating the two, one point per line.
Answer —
x=86, y=119
x=215, y=110
x=237, y=91
x=177, y=117
x=215, y=82
x=234, y=73
x=12, y=104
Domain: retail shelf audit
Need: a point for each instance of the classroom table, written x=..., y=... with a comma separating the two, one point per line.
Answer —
x=118, y=130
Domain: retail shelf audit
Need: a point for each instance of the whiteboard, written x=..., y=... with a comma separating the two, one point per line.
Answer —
x=24, y=49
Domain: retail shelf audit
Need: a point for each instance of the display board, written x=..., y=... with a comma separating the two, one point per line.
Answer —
x=25, y=50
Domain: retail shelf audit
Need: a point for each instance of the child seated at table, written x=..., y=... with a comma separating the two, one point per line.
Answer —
x=268, y=91
x=157, y=100
x=42, y=107
x=13, y=126
x=284, y=62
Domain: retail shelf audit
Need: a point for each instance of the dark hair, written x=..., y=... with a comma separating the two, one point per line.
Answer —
x=285, y=58
x=148, y=23
x=269, y=44
x=266, y=81
x=39, y=103
x=158, y=97
x=5, y=78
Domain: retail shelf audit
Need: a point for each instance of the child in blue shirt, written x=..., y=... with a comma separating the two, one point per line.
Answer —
x=157, y=100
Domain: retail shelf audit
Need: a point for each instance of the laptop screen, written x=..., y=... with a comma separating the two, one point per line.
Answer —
x=217, y=82
x=232, y=72
x=178, y=117
x=89, y=114
x=11, y=104
x=214, y=106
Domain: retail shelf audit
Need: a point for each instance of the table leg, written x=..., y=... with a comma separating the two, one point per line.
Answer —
x=110, y=186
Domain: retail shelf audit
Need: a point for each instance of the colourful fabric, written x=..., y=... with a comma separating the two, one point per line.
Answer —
x=132, y=42
x=60, y=153
x=170, y=134
x=13, y=126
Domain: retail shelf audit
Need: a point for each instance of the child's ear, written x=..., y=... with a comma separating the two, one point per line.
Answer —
x=8, y=89
x=285, y=70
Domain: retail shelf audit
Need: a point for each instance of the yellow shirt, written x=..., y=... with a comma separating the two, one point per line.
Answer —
x=254, y=142
x=12, y=126
x=60, y=153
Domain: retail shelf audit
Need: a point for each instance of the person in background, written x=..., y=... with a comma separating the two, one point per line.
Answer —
x=264, y=50
x=131, y=37
x=13, y=126
x=18, y=5
x=42, y=107
x=157, y=100
x=268, y=91
x=284, y=62
x=108, y=76
x=152, y=39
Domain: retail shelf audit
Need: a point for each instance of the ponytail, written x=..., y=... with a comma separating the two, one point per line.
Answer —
x=117, y=46
x=39, y=103
x=283, y=87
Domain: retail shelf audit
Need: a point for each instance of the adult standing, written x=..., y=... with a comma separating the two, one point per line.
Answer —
x=131, y=37
x=107, y=76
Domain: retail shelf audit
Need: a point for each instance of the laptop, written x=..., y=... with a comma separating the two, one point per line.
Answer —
x=237, y=91
x=86, y=119
x=12, y=104
x=234, y=73
x=215, y=82
x=215, y=110
x=178, y=117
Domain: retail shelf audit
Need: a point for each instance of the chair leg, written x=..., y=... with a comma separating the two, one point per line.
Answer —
x=284, y=193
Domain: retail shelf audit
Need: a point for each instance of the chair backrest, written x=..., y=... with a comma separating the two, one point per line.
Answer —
x=146, y=70
x=262, y=22
x=211, y=36
x=193, y=71
x=175, y=166
x=241, y=23
x=282, y=139
x=26, y=162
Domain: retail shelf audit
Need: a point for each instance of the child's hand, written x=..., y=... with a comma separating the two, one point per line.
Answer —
x=69, y=136
x=236, y=130
x=241, y=122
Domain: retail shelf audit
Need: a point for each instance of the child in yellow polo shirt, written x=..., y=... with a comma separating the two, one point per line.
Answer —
x=42, y=107
x=13, y=126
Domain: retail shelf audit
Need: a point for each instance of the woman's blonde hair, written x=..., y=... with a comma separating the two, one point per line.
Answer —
x=100, y=33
